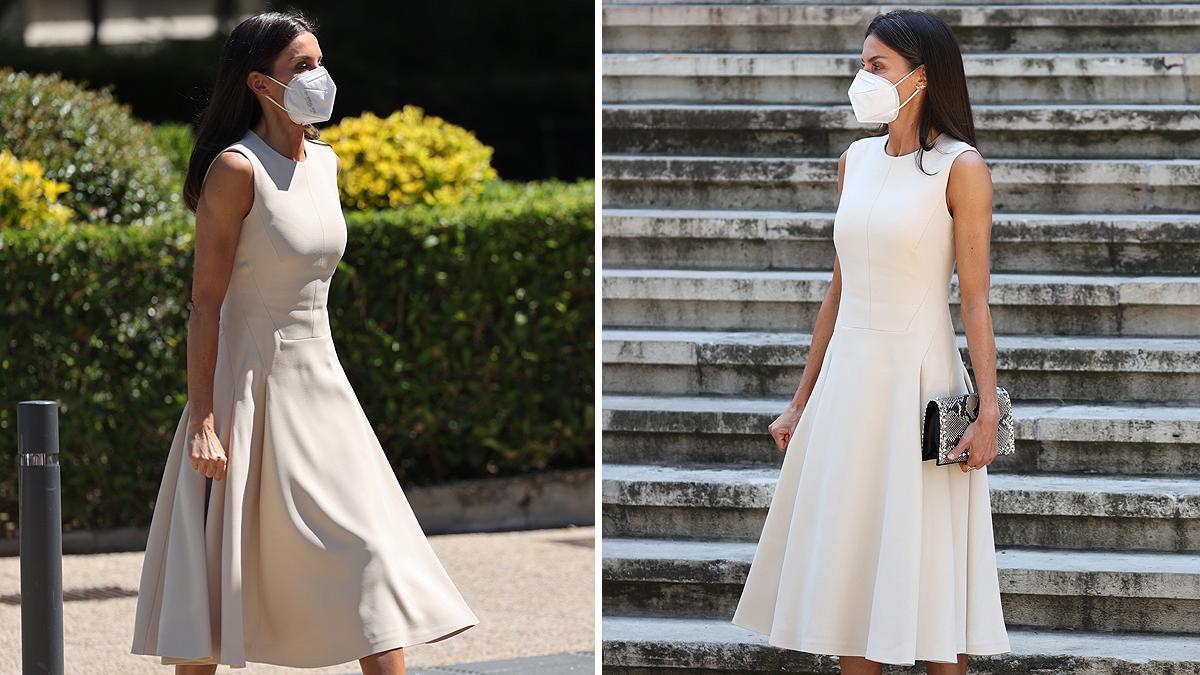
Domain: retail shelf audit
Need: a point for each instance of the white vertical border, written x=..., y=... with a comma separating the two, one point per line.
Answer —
x=599, y=265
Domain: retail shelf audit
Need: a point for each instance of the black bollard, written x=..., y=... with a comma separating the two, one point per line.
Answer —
x=40, y=522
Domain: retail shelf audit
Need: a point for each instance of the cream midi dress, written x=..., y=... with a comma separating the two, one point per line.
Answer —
x=307, y=552
x=866, y=549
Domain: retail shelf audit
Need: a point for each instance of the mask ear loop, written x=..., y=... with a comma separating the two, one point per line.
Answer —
x=272, y=100
x=275, y=102
x=915, y=91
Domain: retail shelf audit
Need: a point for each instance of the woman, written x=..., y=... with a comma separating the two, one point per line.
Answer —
x=868, y=552
x=280, y=534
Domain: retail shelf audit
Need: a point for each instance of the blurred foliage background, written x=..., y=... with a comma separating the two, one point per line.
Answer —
x=462, y=309
x=518, y=74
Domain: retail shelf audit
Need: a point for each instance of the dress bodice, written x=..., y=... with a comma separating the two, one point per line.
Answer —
x=893, y=233
x=291, y=241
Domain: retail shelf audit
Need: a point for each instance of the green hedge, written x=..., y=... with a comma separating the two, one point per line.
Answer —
x=89, y=140
x=466, y=331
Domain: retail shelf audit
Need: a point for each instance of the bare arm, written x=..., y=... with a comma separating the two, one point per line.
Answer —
x=969, y=198
x=783, y=426
x=823, y=326
x=225, y=198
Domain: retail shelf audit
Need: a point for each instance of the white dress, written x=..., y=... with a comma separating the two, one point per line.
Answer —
x=866, y=549
x=306, y=553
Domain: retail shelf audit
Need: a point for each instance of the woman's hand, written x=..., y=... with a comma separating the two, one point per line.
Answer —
x=207, y=453
x=784, y=425
x=979, y=440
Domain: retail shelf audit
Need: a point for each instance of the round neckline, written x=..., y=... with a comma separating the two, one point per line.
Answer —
x=883, y=147
x=280, y=154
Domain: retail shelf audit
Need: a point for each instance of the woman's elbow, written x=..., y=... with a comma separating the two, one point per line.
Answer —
x=974, y=303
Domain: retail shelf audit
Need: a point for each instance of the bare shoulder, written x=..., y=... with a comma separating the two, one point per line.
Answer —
x=969, y=168
x=230, y=168
x=229, y=188
x=971, y=158
x=969, y=185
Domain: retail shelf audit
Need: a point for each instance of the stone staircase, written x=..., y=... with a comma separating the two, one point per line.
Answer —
x=722, y=123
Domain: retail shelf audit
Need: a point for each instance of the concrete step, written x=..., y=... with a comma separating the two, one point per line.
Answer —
x=1142, y=77
x=1089, y=243
x=796, y=27
x=788, y=300
x=804, y=184
x=1144, y=591
x=1118, y=438
x=1046, y=510
x=1030, y=367
x=650, y=645
x=1031, y=131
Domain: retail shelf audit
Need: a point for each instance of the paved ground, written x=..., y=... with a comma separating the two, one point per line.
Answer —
x=533, y=592
x=554, y=664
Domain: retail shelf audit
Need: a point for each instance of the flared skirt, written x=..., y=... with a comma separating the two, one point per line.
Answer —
x=307, y=553
x=866, y=549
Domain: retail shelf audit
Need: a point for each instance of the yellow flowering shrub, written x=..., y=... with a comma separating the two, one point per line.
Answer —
x=407, y=157
x=27, y=198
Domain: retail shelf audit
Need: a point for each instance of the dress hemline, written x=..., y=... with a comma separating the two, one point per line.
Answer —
x=841, y=649
x=830, y=649
x=400, y=638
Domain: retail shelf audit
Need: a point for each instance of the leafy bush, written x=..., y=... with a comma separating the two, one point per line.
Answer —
x=407, y=157
x=467, y=333
x=175, y=141
x=90, y=141
x=27, y=198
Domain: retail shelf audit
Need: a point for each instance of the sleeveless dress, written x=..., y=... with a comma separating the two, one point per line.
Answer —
x=866, y=549
x=306, y=553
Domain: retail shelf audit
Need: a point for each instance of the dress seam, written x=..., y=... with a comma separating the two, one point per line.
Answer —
x=263, y=300
x=867, y=236
x=256, y=164
x=312, y=307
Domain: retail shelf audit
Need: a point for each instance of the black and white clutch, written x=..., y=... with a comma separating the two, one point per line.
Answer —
x=945, y=420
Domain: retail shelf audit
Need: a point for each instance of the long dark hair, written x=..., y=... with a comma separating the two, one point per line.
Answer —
x=922, y=38
x=233, y=109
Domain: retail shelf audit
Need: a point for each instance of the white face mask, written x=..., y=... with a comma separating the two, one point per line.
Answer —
x=308, y=98
x=875, y=99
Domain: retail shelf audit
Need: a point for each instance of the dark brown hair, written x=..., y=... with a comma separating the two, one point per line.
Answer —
x=923, y=38
x=232, y=108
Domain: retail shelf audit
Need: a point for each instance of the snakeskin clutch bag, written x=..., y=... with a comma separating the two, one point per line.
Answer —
x=945, y=420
